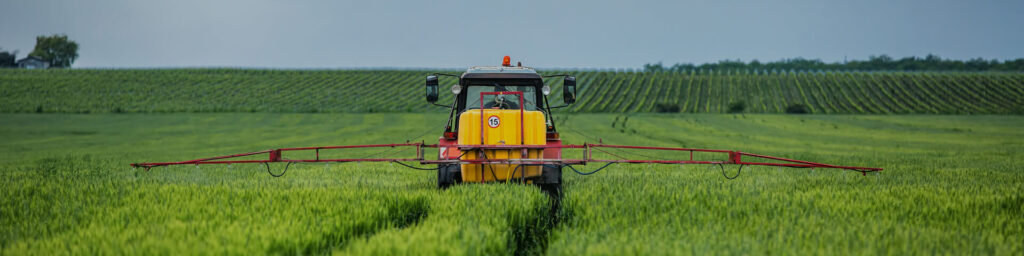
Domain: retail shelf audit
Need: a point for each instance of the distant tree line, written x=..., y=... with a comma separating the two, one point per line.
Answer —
x=57, y=49
x=873, y=63
x=8, y=58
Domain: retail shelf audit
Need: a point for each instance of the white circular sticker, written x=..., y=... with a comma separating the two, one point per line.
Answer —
x=493, y=121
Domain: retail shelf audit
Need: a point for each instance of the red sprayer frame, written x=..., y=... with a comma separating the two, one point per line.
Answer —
x=274, y=156
x=732, y=157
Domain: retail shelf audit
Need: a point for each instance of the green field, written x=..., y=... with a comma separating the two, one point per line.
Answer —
x=366, y=91
x=952, y=184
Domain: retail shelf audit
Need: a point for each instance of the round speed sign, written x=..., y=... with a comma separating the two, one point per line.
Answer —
x=493, y=121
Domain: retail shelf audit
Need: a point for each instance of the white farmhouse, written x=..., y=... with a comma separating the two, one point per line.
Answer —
x=33, y=62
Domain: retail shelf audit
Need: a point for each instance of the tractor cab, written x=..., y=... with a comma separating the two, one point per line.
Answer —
x=479, y=80
x=500, y=106
x=505, y=78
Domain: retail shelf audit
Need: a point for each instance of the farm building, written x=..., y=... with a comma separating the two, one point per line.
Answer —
x=33, y=62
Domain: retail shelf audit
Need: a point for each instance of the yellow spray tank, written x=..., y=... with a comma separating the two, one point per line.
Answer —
x=501, y=127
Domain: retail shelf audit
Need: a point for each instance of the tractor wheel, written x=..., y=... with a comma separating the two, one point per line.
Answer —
x=446, y=175
x=552, y=190
x=551, y=181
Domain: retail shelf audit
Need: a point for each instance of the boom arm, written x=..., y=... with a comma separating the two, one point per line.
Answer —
x=729, y=157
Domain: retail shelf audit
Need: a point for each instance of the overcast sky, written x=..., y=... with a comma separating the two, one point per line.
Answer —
x=583, y=34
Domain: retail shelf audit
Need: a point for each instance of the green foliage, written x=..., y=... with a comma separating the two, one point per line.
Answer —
x=8, y=59
x=667, y=107
x=364, y=91
x=797, y=109
x=60, y=51
x=951, y=186
x=873, y=63
x=737, y=106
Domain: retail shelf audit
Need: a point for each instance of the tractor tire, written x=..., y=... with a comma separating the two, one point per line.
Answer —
x=551, y=181
x=552, y=190
x=447, y=175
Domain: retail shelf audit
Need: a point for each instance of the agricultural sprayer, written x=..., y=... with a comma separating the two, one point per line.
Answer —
x=501, y=129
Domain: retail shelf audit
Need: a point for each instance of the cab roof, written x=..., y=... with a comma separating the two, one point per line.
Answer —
x=500, y=72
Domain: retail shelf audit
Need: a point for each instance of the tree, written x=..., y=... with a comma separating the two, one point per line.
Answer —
x=7, y=59
x=737, y=106
x=654, y=67
x=56, y=49
x=930, y=62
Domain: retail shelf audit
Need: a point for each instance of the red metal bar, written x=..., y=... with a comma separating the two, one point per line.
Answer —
x=359, y=146
x=505, y=161
x=658, y=148
x=481, y=119
x=515, y=146
x=733, y=157
x=230, y=156
x=226, y=162
x=200, y=160
x=188, y=162
x=352, y=160
x=522, y=127
x=587, y=154
x=810, y=163
x=275, y=155
x=655, y=161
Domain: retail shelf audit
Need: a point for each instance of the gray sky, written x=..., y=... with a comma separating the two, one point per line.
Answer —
x=588, y=34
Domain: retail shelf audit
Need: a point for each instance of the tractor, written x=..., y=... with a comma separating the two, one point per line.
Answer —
x=501, y=106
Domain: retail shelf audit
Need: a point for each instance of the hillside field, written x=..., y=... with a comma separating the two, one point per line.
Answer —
x=952, y=184
x=366, y=91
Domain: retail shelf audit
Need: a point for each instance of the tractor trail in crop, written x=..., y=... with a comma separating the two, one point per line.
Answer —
x=399, y=215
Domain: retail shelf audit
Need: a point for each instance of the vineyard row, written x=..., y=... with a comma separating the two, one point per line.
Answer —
x=232, y=90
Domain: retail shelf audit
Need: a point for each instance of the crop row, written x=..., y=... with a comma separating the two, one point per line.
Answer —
x=825, y=93
x=365, y=91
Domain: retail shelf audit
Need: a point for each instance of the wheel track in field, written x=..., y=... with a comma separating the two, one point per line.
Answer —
x=399, y=215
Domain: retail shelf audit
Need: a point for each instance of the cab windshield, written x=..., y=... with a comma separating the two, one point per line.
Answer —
x=501, y=101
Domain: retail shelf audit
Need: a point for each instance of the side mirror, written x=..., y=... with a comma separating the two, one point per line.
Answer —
x=569, y=89
x=431, y=89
